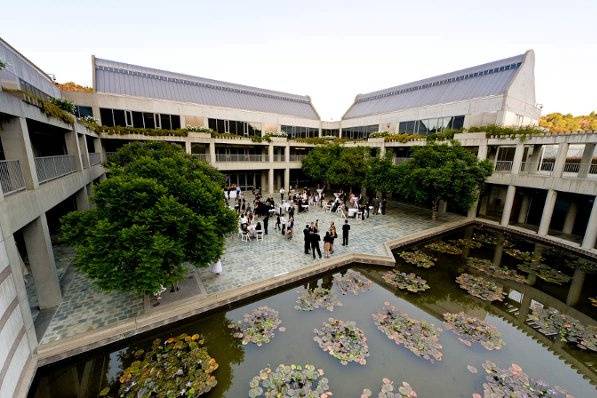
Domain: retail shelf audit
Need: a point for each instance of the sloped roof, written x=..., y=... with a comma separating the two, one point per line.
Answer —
x=479, y=81
x=126, y=79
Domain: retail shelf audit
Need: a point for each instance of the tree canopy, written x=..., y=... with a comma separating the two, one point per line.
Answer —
x=158, y=209
x=441, y=172
x=560, y=123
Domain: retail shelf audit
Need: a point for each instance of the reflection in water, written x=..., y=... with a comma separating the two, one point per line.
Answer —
x=86, y=375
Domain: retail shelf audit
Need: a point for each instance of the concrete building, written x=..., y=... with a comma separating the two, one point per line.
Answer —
x=546, y=184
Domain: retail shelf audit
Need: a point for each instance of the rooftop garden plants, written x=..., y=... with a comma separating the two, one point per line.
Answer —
x=473, y=330
x=513, y=382
x=351, y=282
x=51, y=107
x=444, y=247
x=177, y=367
x=420, y=337
x=74, y=87
x=319, y=297
x=158, y=211
x=418, y=258
x=258, y=326
x=493, y=130
x=551, y=322
x=387, y=390
x=564, y=123
x=403, y=281
x=342, y=340
x=480, y=287
x=288, y=381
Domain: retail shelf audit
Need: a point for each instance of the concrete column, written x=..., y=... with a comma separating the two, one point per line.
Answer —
x=472, y=211
x=264, y=180
x=82, y=199
x=287, y=153
x=84, y=150
x=586, y=160
x=287, y=180
x=41, y=261
x=578, y=279
x=550, y=202
x=187, y=147
x=382, y=150
x=533, y=159
x=17, y=146
x=442, y=207
x=482, y=152
x=498, y=252
x=483, y=205
x=525, y=305
x=591, y=232
x=558, y=167
x=570, y=218
x=72, y=148
x=278, y=180
x=270, y=181
x=212, y=153
x=517, y=161
x=524, y=209
x=508, y=205
x=270, y=152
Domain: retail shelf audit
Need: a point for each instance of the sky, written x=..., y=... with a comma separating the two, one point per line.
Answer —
x=327, y=49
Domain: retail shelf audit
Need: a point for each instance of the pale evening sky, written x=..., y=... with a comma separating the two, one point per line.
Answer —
x=330, y=50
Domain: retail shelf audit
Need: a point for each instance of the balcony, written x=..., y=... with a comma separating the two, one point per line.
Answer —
x=278, y=157
x=51, y=167
x=95, y=158
x=398, y=160
x=296, y=157
x=503, y=166
x=201, y=156
x=11, y=176
x=239, y=157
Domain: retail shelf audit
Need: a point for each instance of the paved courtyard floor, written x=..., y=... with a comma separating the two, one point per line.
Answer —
x=84, y=308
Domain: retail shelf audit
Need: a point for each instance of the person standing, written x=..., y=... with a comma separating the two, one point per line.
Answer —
x=307, y=235
x=216, y=268
x=334, y=235
x=382, y=206
x=282, y=192
x=327, y=244
x=345, y=229
x=265, y=222
x=315, y=239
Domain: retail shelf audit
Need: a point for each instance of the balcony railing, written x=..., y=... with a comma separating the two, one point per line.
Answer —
x=278, y=157
x=11, y=176
x=51, y=167
x=398, y=160
x=201, y=156
x=547, y=166
x=238, y=157
x=295, y=157
x=95, y=158
x=571, y=167
x=503, y=165
x=593, y=168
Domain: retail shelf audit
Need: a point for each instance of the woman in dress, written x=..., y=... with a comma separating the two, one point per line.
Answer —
x=216, y=267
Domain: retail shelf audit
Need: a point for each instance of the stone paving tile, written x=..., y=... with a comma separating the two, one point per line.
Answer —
x=85, y=308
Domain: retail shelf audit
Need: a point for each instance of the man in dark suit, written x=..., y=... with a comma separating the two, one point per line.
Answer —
x=307, y=235
x=315, y=239
x=265, y=222
x=345, y=229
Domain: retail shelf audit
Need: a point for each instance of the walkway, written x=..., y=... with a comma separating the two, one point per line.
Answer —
x=85, y=309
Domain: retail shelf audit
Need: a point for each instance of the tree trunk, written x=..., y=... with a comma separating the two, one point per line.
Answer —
x=434, y=209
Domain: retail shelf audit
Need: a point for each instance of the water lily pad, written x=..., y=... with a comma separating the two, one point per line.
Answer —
x=179, y=364
x=352, y=282
x=480, y=287
x=467, y=243
x=404, y=281
x=444, y=247
x=527, y=257
x=257, y=326
x=497, y=271
x=342, y=340
x=545, y=272
x=387, y=390
x=472, y=369
x=420, y=337
x=474, y=329
x=418, y=258
x=513, y=382
x=290, y=381
x=312, y=299
x=551, y=322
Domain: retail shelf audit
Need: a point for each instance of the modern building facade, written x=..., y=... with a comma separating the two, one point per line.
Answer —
x=546, y=185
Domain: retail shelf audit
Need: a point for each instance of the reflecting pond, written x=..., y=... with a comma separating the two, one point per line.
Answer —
x=383, y=327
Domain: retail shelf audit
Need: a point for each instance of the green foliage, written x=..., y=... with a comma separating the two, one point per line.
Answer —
x=64, y=104
x=50, y=107
x=117, y=130
x=319, y=140
x=258, y=138
x=158, y=208
x=441, y=172
x=382, y=175
x=559, y=123
x=506, y=131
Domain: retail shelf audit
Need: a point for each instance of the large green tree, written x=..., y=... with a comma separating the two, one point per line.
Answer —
x=158, y=209
x=446, y=172
x=382, y=175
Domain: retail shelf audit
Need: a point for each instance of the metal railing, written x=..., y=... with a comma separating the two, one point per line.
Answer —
x=503, y=165
x=593, y=168
x=11, y=176
x=51, y=167
x=95, y=158
x=201, y=156
x=571, y=167
x=398, y=160
x=278, y=157
x=295, y=157
x=238, y=157
x=547, y=166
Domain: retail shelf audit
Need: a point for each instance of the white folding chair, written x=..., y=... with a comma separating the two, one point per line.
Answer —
x=259, y=235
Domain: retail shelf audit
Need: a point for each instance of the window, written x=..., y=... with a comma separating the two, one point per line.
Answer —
x=165, y=122
x=300, y=131
x=175, y=122
x=83, y=111
x=157, y=121
x=148, y=120
x=431, y=125
x=330, y=132
x=138, y=120
x=233, y=127
x=359, y=132
x=106, y=117
x=128, y=115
